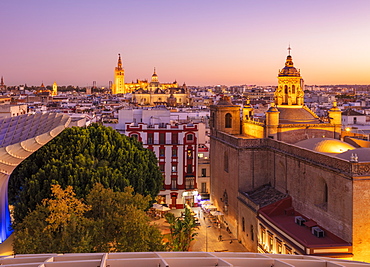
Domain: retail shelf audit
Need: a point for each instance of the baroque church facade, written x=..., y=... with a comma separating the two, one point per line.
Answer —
x=151, y=93
x=287, y=183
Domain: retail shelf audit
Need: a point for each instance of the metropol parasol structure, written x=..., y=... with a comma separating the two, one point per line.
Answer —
x=20, y=136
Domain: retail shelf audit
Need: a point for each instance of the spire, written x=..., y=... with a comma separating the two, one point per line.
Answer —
x=119, y=66
x=2, y=81
x=289, y=50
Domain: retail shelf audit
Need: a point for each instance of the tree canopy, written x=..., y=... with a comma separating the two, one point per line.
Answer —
x=106, y=221
x=82, y=157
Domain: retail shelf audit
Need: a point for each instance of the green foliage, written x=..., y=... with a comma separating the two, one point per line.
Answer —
x=82, y=157
x=108, y=222
x=55, y=226
x=182, y=231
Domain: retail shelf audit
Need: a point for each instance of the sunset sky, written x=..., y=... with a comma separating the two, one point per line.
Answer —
x=200, y=42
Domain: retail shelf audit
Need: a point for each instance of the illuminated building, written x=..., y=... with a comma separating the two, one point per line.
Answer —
x=54, y=92
x=20, y=136
x=176, y=147
x=150, y=93
x=119, y=78
x=285, y=182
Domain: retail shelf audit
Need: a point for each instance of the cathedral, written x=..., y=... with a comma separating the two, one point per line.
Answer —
x=286, y=183
x=151, y=93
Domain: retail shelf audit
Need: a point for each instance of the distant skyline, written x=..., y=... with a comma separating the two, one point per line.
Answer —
x=206, y=42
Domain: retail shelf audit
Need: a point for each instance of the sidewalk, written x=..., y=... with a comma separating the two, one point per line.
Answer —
x=208, y=235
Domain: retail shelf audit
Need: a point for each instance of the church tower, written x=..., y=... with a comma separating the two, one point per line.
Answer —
x=55, y=89
x=290, y=85
x=119, y=78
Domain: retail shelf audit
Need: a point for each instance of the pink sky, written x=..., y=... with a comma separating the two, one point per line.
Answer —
x=200, y=42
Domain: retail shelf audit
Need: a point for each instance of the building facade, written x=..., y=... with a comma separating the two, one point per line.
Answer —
x=176, y=147
x=286, y=183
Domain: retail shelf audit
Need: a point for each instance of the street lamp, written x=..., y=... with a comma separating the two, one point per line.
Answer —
x=207, y=237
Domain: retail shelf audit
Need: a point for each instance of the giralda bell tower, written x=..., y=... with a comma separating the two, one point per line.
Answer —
x=119, y=78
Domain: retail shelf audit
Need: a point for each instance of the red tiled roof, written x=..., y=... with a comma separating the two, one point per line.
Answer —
x=276, y=215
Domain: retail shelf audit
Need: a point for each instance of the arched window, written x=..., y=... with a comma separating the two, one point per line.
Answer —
x=243, y=224
x=286, y=89
x=293, y=89
x=228, y=119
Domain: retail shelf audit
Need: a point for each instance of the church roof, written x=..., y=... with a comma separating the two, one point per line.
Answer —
x=296, y=114
x=351, y=112
x=362, y=154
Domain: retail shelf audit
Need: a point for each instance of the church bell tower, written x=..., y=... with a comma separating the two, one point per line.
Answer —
x=290, y=85
x=119, y=78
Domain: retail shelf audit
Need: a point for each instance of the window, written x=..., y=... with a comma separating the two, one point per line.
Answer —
x=243, y=224
x=161, y=152
x=252, y=233
x=271, y=241
x=200, y=155
x=288, y=250
x=135, y=136
x=162, y=138
x=228, y=119
x=354, y=120
x=175, y=138
x=204, y=188
x=204, y=172
x=189, y=182
x=174, y=152
x=150, y=138
x=189, y=168
x=263, y=235
x=173, y=183
x=174, y=168
x=189, y=137
x=286, y=89
x=293, y=89
x=189, y=154
x=226, y=162
x=279, y=246
x=161, y=167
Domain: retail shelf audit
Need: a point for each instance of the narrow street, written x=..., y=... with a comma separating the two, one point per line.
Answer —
x=208, y=235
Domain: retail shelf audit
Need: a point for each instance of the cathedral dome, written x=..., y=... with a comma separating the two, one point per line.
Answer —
x=289, y=69
x=325, y=145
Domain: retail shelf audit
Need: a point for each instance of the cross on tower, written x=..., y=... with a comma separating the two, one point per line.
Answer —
x=289, y=50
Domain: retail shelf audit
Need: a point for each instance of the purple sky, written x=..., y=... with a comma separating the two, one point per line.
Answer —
x=200, y=42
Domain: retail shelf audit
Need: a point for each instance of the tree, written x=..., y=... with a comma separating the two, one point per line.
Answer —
x=108, y=222
x=82, y=157
x=120, y=223
x=57, y=225
x=182, y=230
